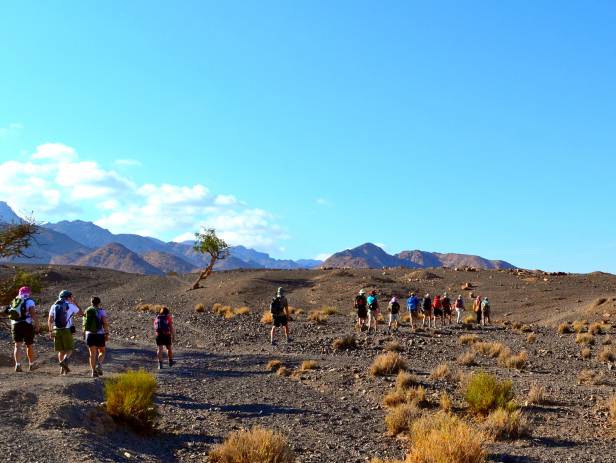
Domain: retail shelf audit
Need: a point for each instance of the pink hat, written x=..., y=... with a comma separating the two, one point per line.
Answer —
x=24, y=291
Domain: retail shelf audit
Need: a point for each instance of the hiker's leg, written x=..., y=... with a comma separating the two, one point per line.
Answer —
x=93, y=357
x=101, y=355
x=17, y=352
x=170, y=352
x=159, y=353
x=272, y=333
x=30, y=353
x=286, y=331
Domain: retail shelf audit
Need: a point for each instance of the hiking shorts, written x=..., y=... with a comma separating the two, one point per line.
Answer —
x=437, y=312
x=280, y=320
x=95, y=340
x=63, y=340
x=23, y=332
x=163, y=340
x=362, y=313
x=447, y=310
x=393, y=317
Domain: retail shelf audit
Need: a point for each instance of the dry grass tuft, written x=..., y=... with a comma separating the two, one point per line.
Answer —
x=607, y=354
x=273, y=365
x=491, y=349
x=612, y=411
x=387, y=364
x=564, y=328
x=242, y=310
x=585, y=353
x=406, y=380
x=317, y=317
x=531, y=338
x=223, y=310
x=444, y=402
x=399, y=418
x=200, y=308
x=526, y=329
x=536, y=395
x=445, y=438
x=580, y=326
x=516, y=361
x=584, y=338
x=484, y=393
x=506, y=424
x=467, y=339
x=255, y=445
x=468, y=359
x=598, y=328
x=606, y=341
x=129, y=398
x=592, y=377
x=345, y=342
x=470, y=319
x=394, y=398
x=151, y=308
x=393, y=346
x=283, y=371
x=267, y=318
x=326, y=310
x=309, y=365
x=442, y=372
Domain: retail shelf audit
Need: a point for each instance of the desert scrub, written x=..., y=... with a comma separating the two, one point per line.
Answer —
x=406, y=380
x=592, y=377
x=129, y=398
x=564, y=328
x=387, y=364
x=242, y=310
x=470, y=319
x=399, y=418
x=484, y=393
x=531, y=338
x=317, y=317
x=467, y=359
x=611, y=405
x=584, y=338
x=536, y=395
x=326, y=310
x=580, y=326
x=515, y=361
x=607, y=354
x=199, y=308
x=445, y=438
x=467, y=339
x=267, y=318
x=393, y=346
x=490, y=349
x=273, y=365
x=506, y=424
x=309, y=365
x=345, y=343
x=598, y=328
x=415, y=395
x=255, y=445
x=444, y=402
x=283, y=371
x=151, y=308
x=442, y=372
x=526, y=329
x=585, y=353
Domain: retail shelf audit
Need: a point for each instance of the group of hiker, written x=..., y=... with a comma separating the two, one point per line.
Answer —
x=428, y=309
x=61, y=328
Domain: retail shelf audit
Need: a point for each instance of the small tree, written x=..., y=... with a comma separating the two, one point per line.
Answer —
x=206, y=242
x=16, y=238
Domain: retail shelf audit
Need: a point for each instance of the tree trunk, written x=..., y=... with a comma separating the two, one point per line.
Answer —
x=203, y=275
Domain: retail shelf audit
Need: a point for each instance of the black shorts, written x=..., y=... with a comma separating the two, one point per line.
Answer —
x=163, y=340
x=447, y=310
x=437, y=312
x=23, y=332
x=280, y=320
x=362, y=313
x=95, y=340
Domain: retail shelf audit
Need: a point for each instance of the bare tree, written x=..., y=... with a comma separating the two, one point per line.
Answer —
x=206, y=242
x=16, y=238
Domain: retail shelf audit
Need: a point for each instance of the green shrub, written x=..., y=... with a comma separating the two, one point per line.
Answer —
x=130, y=398
x=9, y=288
x=484, y=393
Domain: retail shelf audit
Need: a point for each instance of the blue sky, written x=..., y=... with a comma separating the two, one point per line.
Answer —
x=303, y=128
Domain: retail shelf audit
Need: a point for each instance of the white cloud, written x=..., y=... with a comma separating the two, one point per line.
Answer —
x=13, y=127
x=57, y=185
x=323, y=256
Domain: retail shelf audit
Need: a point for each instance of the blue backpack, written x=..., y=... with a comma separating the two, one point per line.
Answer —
x=60, y=308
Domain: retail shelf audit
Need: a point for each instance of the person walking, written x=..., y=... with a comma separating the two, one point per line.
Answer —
x=393, y=309
x=459, y=306
x=446, y=303
x=96, y=334
x=477, y=309
x=279, y=308
x=426, y=308
x=165, y=336
x=485, y=311
x=373, y=311
x=61, y=327
x=412, y=305
x=24, y=325
x=361, y=305
x=437, y=310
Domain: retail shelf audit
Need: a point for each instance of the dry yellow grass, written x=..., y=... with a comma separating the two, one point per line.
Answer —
x=531, y=338
x=444, y=438
x=580, y=326
x=309, y=365
x=129, y=397
x=564, y=328
x=445, y=402
x=467, y=358
x=256, y=445
x=399, y=418
x=327, y=310
x=598, y=328
x=536, y=395
x=607, y=354
x=484, y=393
x=441, y=372
x=584, y=338
x=387, y=364
x=216, y=307
x=612, y=410
x=490, y=349
x=283, y=371
x=470, y=319
x=526, y=329
x=345, y=342
x=467, y=339
x=267, y=318
x=394, y=398
x=585, y=353
x=606, y=341
x=406, y=380
x=515, y=361
x=151, y=308
x=317, y=317
x=393, y=346
x=273, y=365
x=242, y=310
x=506, y=424
x=199, y=308
x=591, y=377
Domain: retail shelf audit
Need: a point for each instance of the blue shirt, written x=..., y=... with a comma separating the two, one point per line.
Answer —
x=412, y=303
x=371, y=299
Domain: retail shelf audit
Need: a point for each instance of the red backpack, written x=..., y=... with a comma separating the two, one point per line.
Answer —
x=162, y=325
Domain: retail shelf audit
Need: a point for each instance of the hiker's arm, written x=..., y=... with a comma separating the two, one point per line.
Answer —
x=49, y=325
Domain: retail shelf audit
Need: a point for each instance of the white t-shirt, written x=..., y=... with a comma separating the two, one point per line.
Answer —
x=29, y=305
x=102, y=315
x=72, y=310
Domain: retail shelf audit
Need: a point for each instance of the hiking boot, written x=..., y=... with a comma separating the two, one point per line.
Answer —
x=94, y=374
x=99, y=370
x=18, y=368
x=288, y=340
x=160, y=365
x=273, y=342
x=64, y=369
x=171, y=363
x=32, y=367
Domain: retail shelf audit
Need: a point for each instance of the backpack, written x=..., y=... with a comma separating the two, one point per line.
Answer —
x=395, y=308
x=360, y=301
x=17, y=310
x=374, y=305
x=485, y=306
x=60, y=308
x=92, y=322
x=446, y=303
x=161, y=325
x=276, y=306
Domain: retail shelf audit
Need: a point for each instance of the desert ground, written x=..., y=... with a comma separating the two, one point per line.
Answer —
x=334, y=413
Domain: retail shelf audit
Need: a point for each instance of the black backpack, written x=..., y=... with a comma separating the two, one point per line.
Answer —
x=395, y=308
x=17, y=310
x=276, y=306
x=60, y=308
x=360, y=301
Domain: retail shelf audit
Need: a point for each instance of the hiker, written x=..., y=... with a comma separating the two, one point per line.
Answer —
x=412, y=305
x=96, y=333
x=426, y=308
x=477, y=309
x=485, y=311
x=459, y=306
x=373, y=311
x=446, y=303
x=279, y=308
x=24, y=325
x=165, y=336
x=437, y=310
x=393, y=308
x=61, y=327
x=361, y=305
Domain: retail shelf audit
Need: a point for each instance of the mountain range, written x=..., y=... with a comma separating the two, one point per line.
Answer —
x=78, y=242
